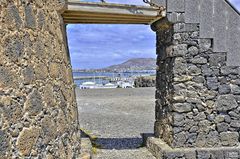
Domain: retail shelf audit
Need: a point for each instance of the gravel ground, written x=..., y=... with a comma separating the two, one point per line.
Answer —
x=118, y=117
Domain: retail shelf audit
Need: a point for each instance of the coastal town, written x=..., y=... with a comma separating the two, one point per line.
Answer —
x=129, y=74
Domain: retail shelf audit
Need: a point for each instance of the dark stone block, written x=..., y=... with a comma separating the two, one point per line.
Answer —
x=13, y=15
x=225, y=103
x=28, y=74
x=224, y=89
x=205, y=45
x=4, y=143
x=235, y=89
x=34, y=103
x=14, y=49
x=6, y=78
x=218, y=59
x=222, y=127
x=212, y=83
x=203, y=154
x=40, y=19
x=229, y=138
x=30, y=21
x=227, y=70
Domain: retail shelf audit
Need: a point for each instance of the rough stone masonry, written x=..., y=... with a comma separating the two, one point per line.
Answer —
x=38, y=111
x=198, y=84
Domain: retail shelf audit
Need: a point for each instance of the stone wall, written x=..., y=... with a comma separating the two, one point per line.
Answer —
x=198, y=94
x=38, y=116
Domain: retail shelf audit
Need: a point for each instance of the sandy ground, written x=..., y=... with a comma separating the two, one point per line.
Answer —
x=118, y=117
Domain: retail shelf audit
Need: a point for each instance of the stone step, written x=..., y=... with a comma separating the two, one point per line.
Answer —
x=86, y=148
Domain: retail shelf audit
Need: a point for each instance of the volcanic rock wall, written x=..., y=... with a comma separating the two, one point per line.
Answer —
x=198, y=86
x=38, y=110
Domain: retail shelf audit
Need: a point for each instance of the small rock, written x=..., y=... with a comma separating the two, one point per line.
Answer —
x=235, y=123
x=222, y=127
x=212, y=83
x=235, y=89
x=193, y=51
x=199, y=60
x=225, y=103
x=224, y=89
x=180, y=50
x=227, y=70
x=34, y=103
x=182, y=107
x=218, y=59
x=200, y=116
x=229, y=138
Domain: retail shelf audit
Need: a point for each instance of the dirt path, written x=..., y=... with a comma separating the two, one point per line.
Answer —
x=117, y=117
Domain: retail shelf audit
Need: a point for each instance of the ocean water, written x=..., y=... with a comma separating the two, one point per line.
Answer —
x=108, y=74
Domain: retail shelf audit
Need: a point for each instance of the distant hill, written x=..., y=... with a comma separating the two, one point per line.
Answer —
x=134, y=64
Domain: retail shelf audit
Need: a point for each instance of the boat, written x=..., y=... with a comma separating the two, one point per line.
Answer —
x=93, y=85
x=88, y=85
x=125, y=84
x=109, y=85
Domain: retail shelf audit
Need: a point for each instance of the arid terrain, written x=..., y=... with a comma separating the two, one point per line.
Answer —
x=117, y=117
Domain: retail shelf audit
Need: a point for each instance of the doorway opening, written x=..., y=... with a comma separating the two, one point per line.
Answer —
x=114, y=73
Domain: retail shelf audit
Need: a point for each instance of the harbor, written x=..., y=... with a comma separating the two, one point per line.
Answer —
x=103, y=80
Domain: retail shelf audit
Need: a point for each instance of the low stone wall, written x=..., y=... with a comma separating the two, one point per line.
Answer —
x=162, y=151
x=146, y=81
x=38, y=110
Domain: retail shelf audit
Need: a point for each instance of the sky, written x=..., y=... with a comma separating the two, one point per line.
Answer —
x=98, y=46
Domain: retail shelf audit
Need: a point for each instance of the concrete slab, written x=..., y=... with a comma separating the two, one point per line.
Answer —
x=175, y=5
x=233, y=37
x=219, y=25
x=192, y=11
x=159, y=2
x=206, y=19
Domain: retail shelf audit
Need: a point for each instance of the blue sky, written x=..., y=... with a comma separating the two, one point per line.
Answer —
x=98, y=46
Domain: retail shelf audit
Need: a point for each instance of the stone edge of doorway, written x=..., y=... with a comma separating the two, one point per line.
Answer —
x=161, y=151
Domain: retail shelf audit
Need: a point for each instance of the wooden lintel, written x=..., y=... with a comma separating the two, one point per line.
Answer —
x=109, y=13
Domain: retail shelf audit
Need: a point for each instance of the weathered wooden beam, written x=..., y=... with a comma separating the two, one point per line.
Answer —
x=109, y=13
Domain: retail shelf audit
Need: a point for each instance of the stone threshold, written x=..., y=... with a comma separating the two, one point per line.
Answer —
x=86, y=148
x=163, y=151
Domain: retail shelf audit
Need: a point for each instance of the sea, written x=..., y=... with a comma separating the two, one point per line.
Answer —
x=109, y=74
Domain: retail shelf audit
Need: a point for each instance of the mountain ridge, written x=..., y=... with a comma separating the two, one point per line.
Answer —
x=133, y=64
